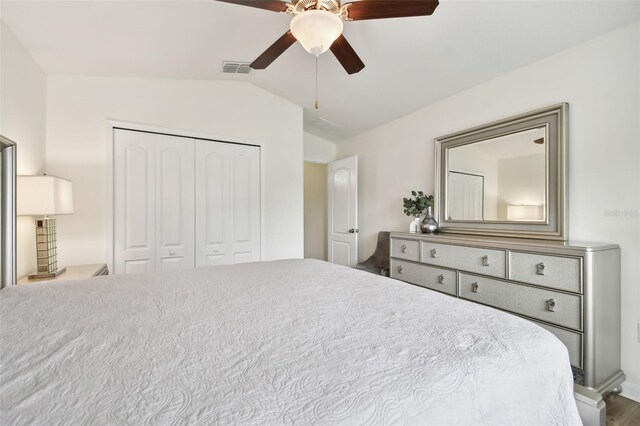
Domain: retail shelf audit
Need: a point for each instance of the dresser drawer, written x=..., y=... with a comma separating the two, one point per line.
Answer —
x=405, y=249
x=521, y=299
x=572, y=340
x=550, y=271
x=471, y=259
x=425, y=276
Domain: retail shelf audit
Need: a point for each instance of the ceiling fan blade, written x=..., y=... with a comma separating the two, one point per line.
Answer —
x=275, y=50
x=380, y=9
x=273, y=5
x=346, y=55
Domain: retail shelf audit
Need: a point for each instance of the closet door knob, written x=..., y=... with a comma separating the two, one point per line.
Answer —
x=172, y=253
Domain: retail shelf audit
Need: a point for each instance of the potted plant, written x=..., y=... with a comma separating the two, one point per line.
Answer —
x=417, y=205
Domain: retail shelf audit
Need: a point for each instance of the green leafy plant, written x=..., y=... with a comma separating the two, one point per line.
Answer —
x=416, y=205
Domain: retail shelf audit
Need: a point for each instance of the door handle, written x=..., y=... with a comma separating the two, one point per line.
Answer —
x=172, y=253
x=354, y=231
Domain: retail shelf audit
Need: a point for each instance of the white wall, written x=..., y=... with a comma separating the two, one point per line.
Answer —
x=78, y=109
x=521, y=180
x=23, y=98
x=599, y=79
x=318, y=150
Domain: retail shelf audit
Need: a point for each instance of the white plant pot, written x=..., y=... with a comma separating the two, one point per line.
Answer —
x=414, y=227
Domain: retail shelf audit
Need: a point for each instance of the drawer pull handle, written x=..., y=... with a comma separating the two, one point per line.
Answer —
x=403, y=248
x=551, y=305
x=485, y=260
x=434, y=253
x=540, y=268
x=440, y=279
x=474, y=287
x=400, y=269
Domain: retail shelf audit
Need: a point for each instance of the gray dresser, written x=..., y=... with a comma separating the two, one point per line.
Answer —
x=571, y=289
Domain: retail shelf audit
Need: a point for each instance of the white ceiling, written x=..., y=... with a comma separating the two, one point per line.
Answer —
x=514, y=145
x=410, y=62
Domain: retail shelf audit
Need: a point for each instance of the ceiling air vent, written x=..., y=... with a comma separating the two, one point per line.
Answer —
x=229, y=67
x=322, y=123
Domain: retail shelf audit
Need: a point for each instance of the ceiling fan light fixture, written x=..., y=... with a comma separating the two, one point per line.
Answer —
x=316, y=30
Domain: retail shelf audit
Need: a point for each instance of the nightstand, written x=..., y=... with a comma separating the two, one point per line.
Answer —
x=76, y=272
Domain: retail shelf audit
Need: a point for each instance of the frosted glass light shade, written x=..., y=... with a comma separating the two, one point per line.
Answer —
x=44, y=195
x=316, y=30
x=523, y=212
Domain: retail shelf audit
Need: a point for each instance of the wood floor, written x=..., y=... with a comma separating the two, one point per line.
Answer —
x=622, y=411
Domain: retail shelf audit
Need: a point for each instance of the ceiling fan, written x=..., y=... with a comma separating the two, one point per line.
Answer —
x=318, y=25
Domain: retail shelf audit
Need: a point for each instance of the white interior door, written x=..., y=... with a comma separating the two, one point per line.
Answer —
x=227, y=203
x=342, y=189
x=467, y=196
x=134, y=202
x=175, y=221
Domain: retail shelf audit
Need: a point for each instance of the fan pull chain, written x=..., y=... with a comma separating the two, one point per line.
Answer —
x=317, y=104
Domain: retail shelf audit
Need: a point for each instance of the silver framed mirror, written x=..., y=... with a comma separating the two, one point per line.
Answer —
x=506, y=178
x=7, y=212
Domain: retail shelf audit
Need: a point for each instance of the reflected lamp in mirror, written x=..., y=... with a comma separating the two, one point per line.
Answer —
x=524, y=212
x=44, y=196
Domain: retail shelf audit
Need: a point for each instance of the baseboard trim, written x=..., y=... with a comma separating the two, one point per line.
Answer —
x=631, y=391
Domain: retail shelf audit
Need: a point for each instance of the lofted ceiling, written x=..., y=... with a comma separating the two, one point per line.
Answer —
x=410, y=62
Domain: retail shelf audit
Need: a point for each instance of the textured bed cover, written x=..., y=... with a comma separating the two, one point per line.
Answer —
x=286, y=342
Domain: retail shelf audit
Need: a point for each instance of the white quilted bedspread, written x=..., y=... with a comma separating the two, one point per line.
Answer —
x=286, y=342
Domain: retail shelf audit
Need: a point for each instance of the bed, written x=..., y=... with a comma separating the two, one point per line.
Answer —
x=284, y=342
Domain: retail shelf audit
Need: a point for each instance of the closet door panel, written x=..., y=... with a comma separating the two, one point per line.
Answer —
x=245, y=193
x=175, y=222
x=134, y=202
x=241, y=194
x=137, y=266
x=212, y=202
x=227, y=203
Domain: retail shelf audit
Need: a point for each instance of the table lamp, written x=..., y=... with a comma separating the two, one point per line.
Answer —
x=43, y=196
x=523, y=212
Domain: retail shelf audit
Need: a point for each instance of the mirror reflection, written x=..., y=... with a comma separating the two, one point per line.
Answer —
x=499, y=179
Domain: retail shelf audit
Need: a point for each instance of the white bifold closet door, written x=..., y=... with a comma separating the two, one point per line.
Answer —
x=153, y=202
x=227, y=203
x=180, y=202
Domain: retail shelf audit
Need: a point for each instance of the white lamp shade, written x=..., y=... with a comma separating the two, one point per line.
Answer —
x=44, y=195
x=316, y=30
x=523, y=212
